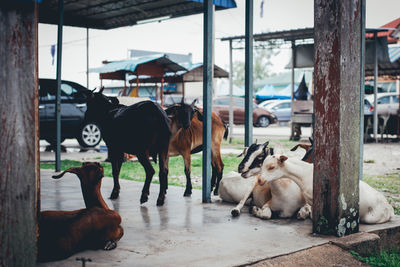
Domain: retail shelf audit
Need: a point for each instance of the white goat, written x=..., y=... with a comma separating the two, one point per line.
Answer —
x=282, y=196
x=374, y=207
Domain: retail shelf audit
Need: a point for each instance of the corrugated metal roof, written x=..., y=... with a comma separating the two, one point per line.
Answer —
x=109, y=14
x=130, y=65
x=194, y=73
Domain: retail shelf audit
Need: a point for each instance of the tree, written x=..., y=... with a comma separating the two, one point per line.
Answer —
x=261, y=66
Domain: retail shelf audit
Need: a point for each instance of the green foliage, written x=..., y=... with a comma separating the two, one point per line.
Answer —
x=134, y=171
x=261, y=66
x=384, y=259
x=323, y=226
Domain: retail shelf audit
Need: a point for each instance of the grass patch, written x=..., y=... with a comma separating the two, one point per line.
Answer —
x=369, y=161
x=176, y=176
x=389, y=185
x=387, y=259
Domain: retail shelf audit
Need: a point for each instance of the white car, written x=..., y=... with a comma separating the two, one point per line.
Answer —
x=387, y=103
x=281, y=108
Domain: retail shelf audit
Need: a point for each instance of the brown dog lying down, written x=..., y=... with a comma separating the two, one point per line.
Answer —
x=63, y=233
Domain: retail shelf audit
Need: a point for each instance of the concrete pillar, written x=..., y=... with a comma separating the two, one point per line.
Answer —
x=337, y=35
x=19, y=143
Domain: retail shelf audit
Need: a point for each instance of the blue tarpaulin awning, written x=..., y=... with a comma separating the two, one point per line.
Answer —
x=221, y=3
x=269, y=92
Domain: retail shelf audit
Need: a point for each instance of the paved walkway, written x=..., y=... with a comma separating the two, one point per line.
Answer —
x=184, y=232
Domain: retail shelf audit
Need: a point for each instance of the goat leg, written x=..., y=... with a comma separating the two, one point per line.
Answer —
x=304, y=212
x=187, y=161
x=110, y=245
x=264, y=212
x=116, y=163
x=236, y=210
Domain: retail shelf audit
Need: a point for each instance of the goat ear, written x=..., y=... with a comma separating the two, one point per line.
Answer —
x=294, y=148
x=282, y=159
x=266, y=143
x=199, y=115
x=76, y=170
x=194, y=102
x=243, y=152
x=182, y=100
x=311, y=140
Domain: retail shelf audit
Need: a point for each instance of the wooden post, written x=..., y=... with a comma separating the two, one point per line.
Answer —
x=337, y=36
x=19, y=134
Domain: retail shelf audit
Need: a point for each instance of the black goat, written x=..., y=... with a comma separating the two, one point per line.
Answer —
x=141, y=129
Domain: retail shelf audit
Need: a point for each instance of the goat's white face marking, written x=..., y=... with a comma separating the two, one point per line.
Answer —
x=252, y=157
x=271, y=169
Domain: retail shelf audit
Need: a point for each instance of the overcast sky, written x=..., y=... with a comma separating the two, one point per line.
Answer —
x=185, y=35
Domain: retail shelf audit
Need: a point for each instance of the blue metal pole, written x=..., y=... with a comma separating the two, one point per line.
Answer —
x=58, y=94
x=248, y=79
x=207, y=95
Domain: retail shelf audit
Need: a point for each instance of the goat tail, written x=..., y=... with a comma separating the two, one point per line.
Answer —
x=226, y=131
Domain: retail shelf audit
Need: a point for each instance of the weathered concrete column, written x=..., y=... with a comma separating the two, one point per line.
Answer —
x=19, y=153
x=337, y=37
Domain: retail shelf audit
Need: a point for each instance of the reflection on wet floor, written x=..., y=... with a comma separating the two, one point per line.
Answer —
x=183, y=232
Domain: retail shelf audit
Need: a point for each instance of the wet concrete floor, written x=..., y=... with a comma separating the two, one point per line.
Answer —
x=183, y=232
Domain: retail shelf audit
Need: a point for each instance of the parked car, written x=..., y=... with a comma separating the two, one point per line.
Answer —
x=73, y=107
x=387, y=103
x=282, y=109
x=261, y=117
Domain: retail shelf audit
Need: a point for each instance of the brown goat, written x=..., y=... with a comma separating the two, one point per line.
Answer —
x=308, y=157
x=63, y=233
x=187, y=138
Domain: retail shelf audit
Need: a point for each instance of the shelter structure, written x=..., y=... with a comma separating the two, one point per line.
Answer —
x=193, y=73
x=301, y=42
x=21, y=194
x=154, y=66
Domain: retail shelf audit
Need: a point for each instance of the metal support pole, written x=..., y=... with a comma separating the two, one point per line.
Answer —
x=292, y=85
x=58, y=93
x=207, y=96
x=87, y=58
x=375, y=121
x=230, y=92
x=337, y=37
x=248, y=80
x=362, y=85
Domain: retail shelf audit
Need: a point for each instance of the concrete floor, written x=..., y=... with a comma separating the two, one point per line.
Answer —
x=184, y=232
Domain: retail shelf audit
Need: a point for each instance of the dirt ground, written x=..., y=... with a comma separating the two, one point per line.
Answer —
x=381, y=158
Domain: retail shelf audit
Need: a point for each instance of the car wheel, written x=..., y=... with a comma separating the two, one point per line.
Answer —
x=89, y=135
x=263, y=121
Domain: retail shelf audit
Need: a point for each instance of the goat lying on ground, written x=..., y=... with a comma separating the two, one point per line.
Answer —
x=141, y=129
x=63, y=233
x=282, y=196
x=374, y=207
x=187, y=138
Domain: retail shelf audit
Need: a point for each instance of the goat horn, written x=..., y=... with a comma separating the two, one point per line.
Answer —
x=75, y=170
x=183, y=100
x=101, y=90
